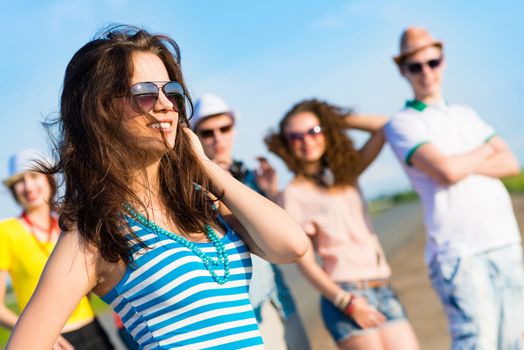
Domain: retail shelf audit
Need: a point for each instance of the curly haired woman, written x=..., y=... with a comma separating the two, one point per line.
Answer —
x=359, y=308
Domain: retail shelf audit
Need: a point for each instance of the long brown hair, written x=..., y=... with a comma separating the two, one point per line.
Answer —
x=94, y=151
x=341, y=157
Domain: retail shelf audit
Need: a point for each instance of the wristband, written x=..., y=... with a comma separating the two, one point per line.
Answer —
x=339, y=298
x=348, y=310
x=342, y=300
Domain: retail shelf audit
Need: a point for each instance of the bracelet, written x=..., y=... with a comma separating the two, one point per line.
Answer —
x=348, y=310
x=343, y=304
x=343, y=300
x=339, y=298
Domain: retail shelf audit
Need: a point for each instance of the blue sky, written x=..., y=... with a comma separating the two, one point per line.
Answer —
x=263, y=56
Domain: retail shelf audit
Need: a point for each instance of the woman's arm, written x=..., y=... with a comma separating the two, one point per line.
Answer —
x=370, y=151
x=267, y=229
x=273, y=234
x=369, y=123
x=375, y=126
x=69, y=274
x=7, y=317
x=363, y=313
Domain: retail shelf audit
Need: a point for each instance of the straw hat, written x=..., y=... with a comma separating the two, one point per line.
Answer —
x=413, y=40
x=19, y=163
x=209, y=105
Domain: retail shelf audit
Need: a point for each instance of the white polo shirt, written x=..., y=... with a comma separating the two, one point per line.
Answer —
x=471, y=216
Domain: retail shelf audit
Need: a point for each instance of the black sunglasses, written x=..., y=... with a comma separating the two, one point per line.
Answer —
x=300, y=136
x=146, y=95
x=208, y=133
x=417, y=67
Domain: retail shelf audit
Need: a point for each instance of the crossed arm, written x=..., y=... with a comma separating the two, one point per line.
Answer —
x=493, y=158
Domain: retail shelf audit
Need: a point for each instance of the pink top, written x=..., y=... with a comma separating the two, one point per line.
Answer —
x=339, y=221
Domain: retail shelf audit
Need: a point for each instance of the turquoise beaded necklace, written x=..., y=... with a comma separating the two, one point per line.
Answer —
x=209, y=262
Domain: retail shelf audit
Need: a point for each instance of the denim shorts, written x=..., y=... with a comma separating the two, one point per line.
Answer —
x=483, y=296
x=343, y=327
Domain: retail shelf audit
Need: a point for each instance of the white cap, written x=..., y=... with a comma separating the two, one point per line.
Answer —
x=20, y=163
x=209, y=105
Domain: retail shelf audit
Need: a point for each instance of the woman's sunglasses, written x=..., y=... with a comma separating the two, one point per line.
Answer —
x=300, y=136
x=146, y=95
x=209, y=133
x=417, y=67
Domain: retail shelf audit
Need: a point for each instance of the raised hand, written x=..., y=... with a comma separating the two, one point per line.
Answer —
x=266, y=178
x=195, y=143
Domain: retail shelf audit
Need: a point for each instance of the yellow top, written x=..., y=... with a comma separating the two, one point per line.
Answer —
x=24, y=258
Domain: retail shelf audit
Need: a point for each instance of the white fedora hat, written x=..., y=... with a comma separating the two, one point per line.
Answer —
x=209, y=105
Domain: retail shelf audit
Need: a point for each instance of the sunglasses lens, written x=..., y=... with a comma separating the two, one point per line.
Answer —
x=206, y=134
x=414, y=68
x=146, y=102
x=145, y=94
x=226, y=129
x=434, y=63
x=300, y=136
x=417, y=67
x=315, y=130
x=295, y=136
x=175, y=94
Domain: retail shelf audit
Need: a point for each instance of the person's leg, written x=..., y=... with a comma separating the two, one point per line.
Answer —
x=295, y=334
x=271, y=328
x=396, y=333
x=294, y=331
x=398, y=336
x=508, y=267
x=468, y=296
x=370, y=340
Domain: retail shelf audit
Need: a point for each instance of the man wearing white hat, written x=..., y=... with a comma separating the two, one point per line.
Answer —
x=454, y=161
x=280, y=324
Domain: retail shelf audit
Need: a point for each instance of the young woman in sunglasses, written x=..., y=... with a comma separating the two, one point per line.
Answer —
x=143, y=227
x=359, y=308
x=26, y=242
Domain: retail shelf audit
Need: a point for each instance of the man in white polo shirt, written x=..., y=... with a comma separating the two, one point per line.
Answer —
x=454, y=161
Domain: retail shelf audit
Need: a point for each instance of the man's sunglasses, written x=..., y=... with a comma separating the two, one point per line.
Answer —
x=300, y=136
x=417, y=67
x=209, y=133
x=146, y=95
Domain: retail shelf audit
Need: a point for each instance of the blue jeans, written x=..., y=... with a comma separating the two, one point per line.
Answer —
x=483, y=296
x=343, y=327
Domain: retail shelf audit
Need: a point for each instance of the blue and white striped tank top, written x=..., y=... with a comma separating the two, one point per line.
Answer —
x=167, y=299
